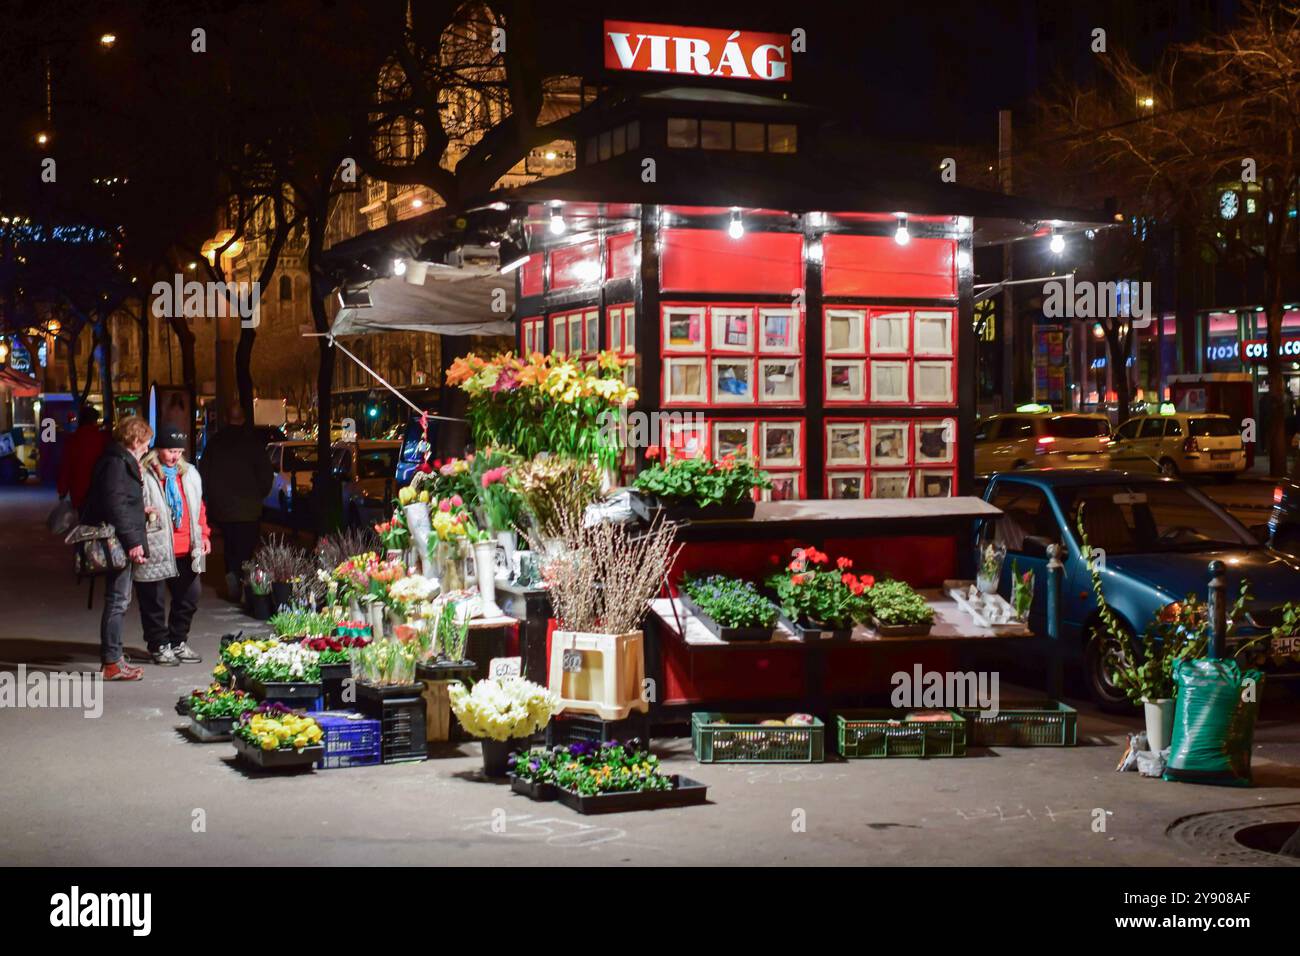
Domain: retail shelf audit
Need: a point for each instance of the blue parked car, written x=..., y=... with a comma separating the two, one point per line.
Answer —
x=1158, y=534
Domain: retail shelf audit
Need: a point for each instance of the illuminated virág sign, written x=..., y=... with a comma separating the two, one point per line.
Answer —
x=696, y=51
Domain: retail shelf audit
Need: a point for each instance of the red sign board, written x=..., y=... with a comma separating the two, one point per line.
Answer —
x=697, y=51
x=1256, y=350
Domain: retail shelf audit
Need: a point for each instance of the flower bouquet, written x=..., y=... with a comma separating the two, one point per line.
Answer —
x=504, y=713
x=275, y=737
x=821, y=601
x=283, y=672
x=697, y=488
x=989, y=572
x=544, y=403
x=213, y=711
x=394, y=533
x=1022, y=592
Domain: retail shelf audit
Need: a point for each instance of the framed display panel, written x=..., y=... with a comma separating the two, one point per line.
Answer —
x=591, y=331
x=576, y=344
x=754, y=354
x=683, y=328
x=934, y=483
x=934, y=381
x=532, y=335
x=560, y=334
x=685, y=380
x=732, y=380
x=845, y=331
x=686, y=439
x=786, y=486
x=780, y=444
x=935, y=442
x=846, y=484
x=732, y=329
x=846, y=381
x=732, y=438
x=934, y=333
x=889, y=443
x=780, y=330
x=891, y=483
x=846, y=444
x=890, y=381
x=890, y=333
x=621, y=329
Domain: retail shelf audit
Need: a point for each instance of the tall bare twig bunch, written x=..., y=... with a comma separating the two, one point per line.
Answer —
x=282, y=560
x=607, y=579
x=333, y=549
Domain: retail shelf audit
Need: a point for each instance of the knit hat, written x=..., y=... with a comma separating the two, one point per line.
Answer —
x=171, y=437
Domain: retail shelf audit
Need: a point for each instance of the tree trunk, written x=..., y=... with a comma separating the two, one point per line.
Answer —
x=185, y=339
x=106, y=370
x=326, y=491
x=243, y=369
x=1117, y=351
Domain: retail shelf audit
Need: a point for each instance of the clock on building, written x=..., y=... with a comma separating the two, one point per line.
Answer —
x=1228, y=203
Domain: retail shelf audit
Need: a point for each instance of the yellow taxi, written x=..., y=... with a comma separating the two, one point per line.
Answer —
x=1041, y=439
x=1180, y=443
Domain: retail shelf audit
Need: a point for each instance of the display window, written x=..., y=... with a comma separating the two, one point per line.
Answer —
x=532, y=335
x=621, y=335
x=884, y=356
x=890, y=458
x=576, y=334
x=750, y=355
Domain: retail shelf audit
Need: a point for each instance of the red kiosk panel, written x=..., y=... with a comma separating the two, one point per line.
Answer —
x=879, y=266
x=709, y=260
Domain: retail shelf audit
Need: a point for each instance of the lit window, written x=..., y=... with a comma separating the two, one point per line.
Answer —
x=782, y=138
x=749, y=137
x=683, y=133
x=715, y=134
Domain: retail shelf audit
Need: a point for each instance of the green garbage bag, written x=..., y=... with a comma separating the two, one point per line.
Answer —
x=1214, y=726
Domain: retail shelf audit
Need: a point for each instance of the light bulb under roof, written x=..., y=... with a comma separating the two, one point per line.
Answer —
x=901, y=235
x=735, y=228
x=1057, y=243
x=558, y=225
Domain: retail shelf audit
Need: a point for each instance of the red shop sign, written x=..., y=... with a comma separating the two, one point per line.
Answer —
x=696, y=51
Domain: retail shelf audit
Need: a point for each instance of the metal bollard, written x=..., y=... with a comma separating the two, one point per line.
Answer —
x=1055, y=671
x=1218, y=608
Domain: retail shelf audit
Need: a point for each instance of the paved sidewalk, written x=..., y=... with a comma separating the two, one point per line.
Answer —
x=127, y=788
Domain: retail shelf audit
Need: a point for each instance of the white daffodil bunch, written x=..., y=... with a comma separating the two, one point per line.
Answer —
x=283, y=662
x=503, y=709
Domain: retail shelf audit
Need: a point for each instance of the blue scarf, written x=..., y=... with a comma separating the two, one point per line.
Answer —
x=172, y=489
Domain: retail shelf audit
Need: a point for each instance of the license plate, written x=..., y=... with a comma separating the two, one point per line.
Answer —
x=1217, y=455
x=1285, y=646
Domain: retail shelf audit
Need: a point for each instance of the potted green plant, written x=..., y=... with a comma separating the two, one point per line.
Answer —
x=697, y=488
x=897, y=610
x=213, y=711
x=821, y=600
x=732, y=608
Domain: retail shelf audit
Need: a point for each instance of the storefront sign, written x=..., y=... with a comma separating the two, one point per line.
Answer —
x=1221, y=352
x=1256, y=350
x=696, y=51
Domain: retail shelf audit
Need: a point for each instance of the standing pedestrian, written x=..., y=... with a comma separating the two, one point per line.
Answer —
x=238, y=477
x=116, y=497
x=80, y=452
x=179, y=542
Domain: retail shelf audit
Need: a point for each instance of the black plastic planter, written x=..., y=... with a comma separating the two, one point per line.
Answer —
x=285, y=758
x=260, y=607
x=901, y=630
x=332, y=677
x=685, y=792
x=289, y=692
x=281, y=595
x=496, y=754
x=724, y=633
x=462, y=671
x=211, y=731
x=533, y=789
x=812, y=633
x=647, y=507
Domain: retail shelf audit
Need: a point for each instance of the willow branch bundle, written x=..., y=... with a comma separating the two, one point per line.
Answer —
x=605, y=582
x=281, y=560
x=333, y=549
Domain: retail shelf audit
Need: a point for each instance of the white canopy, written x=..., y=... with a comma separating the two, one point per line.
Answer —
x=473, y=299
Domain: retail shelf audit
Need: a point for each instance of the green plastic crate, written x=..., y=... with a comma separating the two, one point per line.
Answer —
x=1039, y=723
x=885, y=733
x=742, y=739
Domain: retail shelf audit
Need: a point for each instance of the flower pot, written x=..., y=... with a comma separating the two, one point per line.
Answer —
x=281, y=595
x=260, y=608
x=1160, y=722
x=485, y=561
x=375, y=613
x=496, y=753
x=646, y=507
x=417, y=522
x=451, y=566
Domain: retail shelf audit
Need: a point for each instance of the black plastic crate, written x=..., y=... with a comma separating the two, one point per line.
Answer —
x=332, y=680
x=581, y=728
x=401, y=714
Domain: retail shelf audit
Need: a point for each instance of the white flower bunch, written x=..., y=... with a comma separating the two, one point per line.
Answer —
x=283, y=659
x=411, y=589
x=502, y=709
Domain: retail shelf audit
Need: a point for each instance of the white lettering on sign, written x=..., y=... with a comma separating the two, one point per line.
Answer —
x=696, y=51
x=1256, y=350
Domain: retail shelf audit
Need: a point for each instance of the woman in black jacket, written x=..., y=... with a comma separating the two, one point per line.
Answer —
x=116, y=497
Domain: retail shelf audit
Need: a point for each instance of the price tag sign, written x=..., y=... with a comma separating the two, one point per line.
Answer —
x=571, y=663
x=506, y=667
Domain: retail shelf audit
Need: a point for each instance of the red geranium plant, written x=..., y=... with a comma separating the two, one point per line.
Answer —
x=699, y=481
x=813, y=590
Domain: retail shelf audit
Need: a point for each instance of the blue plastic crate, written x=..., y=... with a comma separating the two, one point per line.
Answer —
x=351, y=740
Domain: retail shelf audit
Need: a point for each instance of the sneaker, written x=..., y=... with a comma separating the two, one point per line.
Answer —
x=121, y=670
x=164, y=657
x=183, y=654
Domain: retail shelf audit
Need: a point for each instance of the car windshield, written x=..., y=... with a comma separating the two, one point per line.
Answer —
x=377, y=463
x=1150, y=518
x=1077, y=427
x=1211, y=427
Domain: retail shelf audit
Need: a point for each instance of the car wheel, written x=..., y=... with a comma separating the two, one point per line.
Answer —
x=1098, y=656
x=1168, y=468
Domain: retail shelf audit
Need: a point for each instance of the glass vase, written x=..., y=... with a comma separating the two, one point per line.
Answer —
x=451, y=557
x=989, y=563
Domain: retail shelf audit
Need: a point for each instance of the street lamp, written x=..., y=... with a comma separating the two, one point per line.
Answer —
x=42, y=138
x=107, y=40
